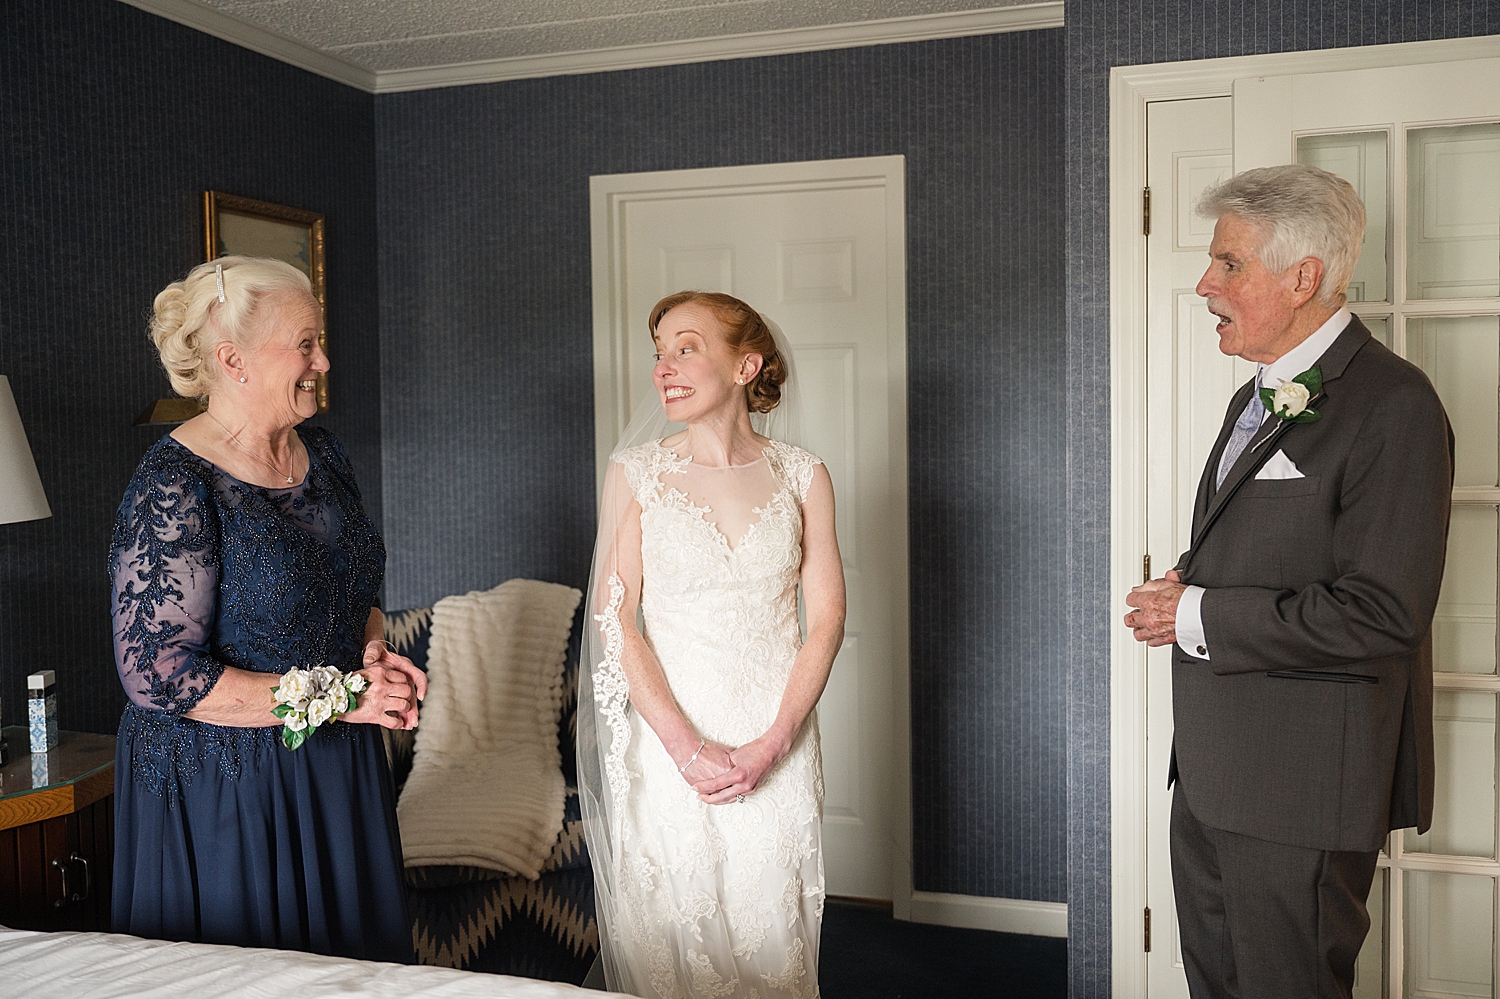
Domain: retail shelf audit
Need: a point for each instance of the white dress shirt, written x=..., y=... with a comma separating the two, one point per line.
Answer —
x=1190, y=637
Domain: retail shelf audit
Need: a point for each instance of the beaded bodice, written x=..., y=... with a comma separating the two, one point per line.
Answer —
x=208, y=571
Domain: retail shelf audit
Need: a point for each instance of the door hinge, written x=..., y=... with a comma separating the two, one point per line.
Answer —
x=1146, y=212
x=1146, y=569
x=1148, y=929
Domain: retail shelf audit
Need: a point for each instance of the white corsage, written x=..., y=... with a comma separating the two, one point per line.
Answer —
x=307, y=698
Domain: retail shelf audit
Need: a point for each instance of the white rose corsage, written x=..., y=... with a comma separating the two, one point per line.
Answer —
x=307, y=698
x=1292, y=401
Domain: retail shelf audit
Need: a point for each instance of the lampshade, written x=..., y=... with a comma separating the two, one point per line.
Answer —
x=21, y=496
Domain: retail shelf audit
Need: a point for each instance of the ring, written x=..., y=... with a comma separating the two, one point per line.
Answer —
x=739, y=799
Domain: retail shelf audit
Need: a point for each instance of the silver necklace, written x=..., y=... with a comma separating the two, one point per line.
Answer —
x=235, y=440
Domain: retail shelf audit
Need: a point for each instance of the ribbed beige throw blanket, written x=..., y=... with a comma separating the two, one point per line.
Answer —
x=486, y=786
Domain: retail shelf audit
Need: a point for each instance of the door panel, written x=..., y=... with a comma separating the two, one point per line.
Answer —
x=1189, y=382
x=1433, y=239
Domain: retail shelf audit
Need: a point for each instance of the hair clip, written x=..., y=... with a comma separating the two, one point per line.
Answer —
x=219, y=276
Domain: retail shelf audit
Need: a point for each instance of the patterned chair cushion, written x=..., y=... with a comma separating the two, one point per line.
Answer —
x=484, y=920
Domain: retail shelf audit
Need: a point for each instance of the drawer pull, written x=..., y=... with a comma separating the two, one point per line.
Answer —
x=88, y=880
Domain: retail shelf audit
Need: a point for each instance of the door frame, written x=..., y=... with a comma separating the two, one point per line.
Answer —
x=609, y=195
x=1131, y=89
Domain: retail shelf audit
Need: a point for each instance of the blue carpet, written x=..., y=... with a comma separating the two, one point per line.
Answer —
x=866, y=954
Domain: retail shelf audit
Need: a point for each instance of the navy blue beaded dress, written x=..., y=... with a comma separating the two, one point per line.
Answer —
x=222, y=834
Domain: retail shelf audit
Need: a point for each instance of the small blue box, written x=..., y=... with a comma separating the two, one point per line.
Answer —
x=41, y=710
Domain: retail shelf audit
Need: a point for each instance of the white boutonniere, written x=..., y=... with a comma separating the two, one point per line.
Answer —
x=1292, y=401
x=307, y=698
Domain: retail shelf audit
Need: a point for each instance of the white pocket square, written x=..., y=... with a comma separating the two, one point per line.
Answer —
x=1279, y=466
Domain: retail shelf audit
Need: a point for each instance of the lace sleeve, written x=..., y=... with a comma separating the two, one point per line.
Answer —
x=165, y=578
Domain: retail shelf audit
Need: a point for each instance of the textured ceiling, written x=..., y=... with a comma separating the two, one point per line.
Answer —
x=408, y=34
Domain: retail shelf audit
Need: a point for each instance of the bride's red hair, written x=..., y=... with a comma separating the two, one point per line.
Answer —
x=746, y=333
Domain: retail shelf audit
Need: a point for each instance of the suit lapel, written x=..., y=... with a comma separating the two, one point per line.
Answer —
x=1261, y=447
x=1211, y=503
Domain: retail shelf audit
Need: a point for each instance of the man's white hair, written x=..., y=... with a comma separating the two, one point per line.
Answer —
x=1301, y=212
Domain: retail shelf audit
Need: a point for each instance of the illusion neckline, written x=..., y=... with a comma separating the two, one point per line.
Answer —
x=717, y=468
x=251, y=485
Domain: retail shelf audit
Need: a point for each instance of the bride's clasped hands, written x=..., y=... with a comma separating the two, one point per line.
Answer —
x=723, y=776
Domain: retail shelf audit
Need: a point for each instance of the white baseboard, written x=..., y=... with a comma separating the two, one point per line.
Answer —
x=1005, y=915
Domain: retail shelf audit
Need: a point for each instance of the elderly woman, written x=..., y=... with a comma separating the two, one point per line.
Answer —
x=241, y=550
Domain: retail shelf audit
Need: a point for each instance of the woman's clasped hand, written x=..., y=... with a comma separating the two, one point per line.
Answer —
x=722, y=775
x=397, y=688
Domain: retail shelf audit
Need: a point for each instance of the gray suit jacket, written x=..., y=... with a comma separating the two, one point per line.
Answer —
x=1312, y=723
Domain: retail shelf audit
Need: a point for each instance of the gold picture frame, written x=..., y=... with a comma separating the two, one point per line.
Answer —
x=235, y=225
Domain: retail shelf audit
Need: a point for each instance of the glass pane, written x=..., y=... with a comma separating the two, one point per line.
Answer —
x=1453, y=212
x=1369, y=970
x=1463, y=819
x=1379, y=327
x=1463, y=630
x=1462, y=357
x=1360, y=158
x=1450, y=919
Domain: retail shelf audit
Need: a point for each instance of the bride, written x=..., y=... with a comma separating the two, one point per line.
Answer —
x=701, y=778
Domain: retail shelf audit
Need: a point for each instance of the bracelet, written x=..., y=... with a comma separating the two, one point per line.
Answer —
x=701, y=744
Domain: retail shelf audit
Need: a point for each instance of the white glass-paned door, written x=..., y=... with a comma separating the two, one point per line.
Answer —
x=1421, y=144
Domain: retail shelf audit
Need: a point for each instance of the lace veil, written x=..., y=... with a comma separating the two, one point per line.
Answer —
x=603, y=693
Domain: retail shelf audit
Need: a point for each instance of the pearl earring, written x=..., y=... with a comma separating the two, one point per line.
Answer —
x=242, y=379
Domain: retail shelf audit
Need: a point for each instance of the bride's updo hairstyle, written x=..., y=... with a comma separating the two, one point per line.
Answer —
x=746, y=333
x=188, y=321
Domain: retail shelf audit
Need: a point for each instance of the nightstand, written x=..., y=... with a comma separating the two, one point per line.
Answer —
x=57, y=833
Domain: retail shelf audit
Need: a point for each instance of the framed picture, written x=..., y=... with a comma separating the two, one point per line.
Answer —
x=244, y=226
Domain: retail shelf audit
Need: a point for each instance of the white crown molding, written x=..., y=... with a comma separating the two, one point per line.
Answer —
x=922, y=27
x=257, y=39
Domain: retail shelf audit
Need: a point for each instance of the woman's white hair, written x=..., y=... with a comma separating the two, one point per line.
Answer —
x=188, y=321
x=1301, y=212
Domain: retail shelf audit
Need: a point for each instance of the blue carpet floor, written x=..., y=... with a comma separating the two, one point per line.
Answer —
x=866, y=954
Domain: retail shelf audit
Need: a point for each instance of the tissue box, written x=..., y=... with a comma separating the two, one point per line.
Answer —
x=41, y=710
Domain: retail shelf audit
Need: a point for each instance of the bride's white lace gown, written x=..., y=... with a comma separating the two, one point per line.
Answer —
x=716, y=901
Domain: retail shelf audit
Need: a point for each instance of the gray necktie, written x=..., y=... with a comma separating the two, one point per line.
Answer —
x=1244, y=429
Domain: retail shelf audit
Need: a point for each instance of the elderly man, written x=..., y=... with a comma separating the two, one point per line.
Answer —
x=1302, y=613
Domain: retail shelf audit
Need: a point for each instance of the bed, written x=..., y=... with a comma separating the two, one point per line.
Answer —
x=40, y=965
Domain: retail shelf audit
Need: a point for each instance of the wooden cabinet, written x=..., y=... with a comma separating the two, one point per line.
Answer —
x=57, y=829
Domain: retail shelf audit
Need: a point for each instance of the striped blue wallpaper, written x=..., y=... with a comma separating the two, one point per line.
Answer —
x=487, y=379
x=112, y=123
x=1101, y=34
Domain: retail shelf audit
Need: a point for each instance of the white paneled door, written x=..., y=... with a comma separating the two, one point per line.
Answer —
x=819, y=247
x=1189, y=146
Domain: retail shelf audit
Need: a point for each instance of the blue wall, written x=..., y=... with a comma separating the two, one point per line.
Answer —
x=486, y=335
x=112, y=123
x=1101, y=34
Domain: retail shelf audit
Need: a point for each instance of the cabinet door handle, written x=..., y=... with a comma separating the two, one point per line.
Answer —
x=88, y=877
x=88, y=880
x=62, y=867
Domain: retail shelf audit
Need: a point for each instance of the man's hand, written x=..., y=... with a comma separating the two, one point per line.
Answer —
x=1155, y=619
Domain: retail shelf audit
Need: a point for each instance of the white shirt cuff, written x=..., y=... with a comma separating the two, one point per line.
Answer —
x=1190, y=638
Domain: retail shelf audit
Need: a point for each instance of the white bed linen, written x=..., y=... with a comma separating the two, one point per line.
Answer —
x=115, y=966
